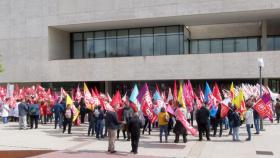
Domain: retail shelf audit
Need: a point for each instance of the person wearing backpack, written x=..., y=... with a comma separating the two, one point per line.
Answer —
x=68, y=117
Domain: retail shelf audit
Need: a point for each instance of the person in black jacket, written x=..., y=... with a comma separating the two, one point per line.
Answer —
x=68, y=117
x=202, y=119
x=112, y=126
x=133, y=126
x=218, y=122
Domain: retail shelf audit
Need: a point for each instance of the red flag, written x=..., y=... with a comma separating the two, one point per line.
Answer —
x=117, y=99
x=216, y=93
x=198, y=102
x=78, y=95
x=224, y=110
x=157, y=89
x=175, y=91
x=201, y=94
x=190, y=89
x=145, y=100
x=263, y=109
x=181, y=117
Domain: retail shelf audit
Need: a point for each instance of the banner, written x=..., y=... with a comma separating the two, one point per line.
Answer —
x=181, y=117
x=263, y=109
x=146, y=102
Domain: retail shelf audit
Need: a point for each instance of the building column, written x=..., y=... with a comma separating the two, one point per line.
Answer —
x=108, y=87
x=264, y=35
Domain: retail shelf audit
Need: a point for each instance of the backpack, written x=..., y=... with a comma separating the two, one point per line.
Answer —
x=68, y=113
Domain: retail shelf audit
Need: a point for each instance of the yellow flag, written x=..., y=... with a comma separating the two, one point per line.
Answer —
x=69, y=100
x=240, y=102
x=76, y=111
x=232, y=92
x=181, y=98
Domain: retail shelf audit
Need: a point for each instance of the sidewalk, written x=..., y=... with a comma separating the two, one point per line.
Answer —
x=80, y=145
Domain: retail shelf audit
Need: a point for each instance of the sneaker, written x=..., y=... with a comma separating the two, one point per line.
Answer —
x=113, y=151
x=135, y=152
x=248, y=139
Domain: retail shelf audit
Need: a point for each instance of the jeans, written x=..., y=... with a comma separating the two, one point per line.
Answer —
x=248, y=127
x=57, y=120
x=34, y=118
x=257, y=125
x=91, y=127
x=5, y=120
x=67, y=121
x=22, y=122
x=235, y=133
x=163, y=128
x=99, y=129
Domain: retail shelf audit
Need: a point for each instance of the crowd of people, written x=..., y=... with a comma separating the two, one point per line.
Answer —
x=101, y=123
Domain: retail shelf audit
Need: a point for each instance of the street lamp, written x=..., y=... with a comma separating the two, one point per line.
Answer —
x=261, y=65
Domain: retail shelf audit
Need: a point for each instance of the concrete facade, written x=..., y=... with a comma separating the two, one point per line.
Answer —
x=34, y=39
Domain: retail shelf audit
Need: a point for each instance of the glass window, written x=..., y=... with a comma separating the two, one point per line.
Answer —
x=241, y=45
x=134, y=46
x=159, y=30
x=186, y=47
x=216, y=46
x=122, y=33
x=173, y=45
x=122, y=47
x=172, y=30
x=89, y=48
x=228, y=45
x=100, y=34
x=147, y=45
x=88, y=35
x=194, y=46
x=203, y=46
x=77, y=36
x=159, y=45
x=111, y=47
x=111, y=34
x=147, y=32
x=78, y=50
x=99, y=48
x=277, y=43
x=134, y=32
x=253, y=44
x=270, y=43
x=181, y=41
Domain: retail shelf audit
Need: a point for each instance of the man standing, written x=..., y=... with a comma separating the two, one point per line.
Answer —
x=112, y=125
x=202, y=119
x=127, y=114
x=249, y=121
x=23, y=110
x=68, y=119
x=133, y=126
x=277, y=109
x=179, y=128
x=57, y=110
x=34, y=114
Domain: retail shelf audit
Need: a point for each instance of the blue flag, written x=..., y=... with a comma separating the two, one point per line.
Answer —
x=207, y=92
x=134, y=94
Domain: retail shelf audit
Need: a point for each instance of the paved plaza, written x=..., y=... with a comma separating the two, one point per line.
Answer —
x=80, y=145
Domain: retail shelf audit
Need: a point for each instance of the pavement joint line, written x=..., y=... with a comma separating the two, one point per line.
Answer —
x=78, y=145
x=196, y=149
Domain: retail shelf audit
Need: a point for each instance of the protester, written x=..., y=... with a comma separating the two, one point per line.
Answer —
x=249, y=119
x=122, y=126
x=112, y=125
x=58, y=114
x=99, y=123
x=179, y=129
x=49, y=112
x=5, y=111
x=235, y=126
x=68, y=119
x=82, y=110
x=127, y=114
x=277, y=110
x=133, y=127
x=202, y=119
x=91, y=126
x=23, y=111
x=147, y=125
x=34, y=114
x=163, y=119
x=218, y=121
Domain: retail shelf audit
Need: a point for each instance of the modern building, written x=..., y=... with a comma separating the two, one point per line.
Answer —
x=109, y=43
